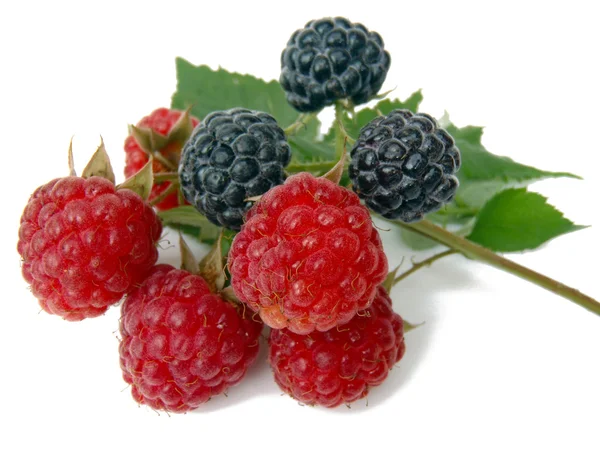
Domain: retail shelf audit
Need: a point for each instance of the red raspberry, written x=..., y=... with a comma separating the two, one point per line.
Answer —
x=161, y=121
x=84, y=244
x=181, y=343
x=340, y=365
x=308, y=256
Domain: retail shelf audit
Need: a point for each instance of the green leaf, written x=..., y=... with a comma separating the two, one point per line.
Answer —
x=515, y=220
x=354, y=124
x=484, y=174
x=306, y=149
x=416, y=241
x=190, y=221
x=207, y=90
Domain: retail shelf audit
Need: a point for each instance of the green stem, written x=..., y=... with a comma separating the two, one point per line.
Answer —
x=425, y=262
x=166, y=176
x=457, y=211
x=482, y=254
x=312, y=167
x=340, y=133
x=301, y=122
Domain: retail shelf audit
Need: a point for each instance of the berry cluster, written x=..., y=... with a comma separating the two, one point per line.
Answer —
x=307, y=260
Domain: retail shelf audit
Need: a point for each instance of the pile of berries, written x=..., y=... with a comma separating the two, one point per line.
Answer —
x=306, y=264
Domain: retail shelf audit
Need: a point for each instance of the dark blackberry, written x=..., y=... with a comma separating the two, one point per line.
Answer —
x=403, y=165
x=331, y=59
x=231, y=156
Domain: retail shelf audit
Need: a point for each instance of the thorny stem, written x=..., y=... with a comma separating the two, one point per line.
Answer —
x=482, y=254
x=425, y=262
x=302, y=120
x=458, y=244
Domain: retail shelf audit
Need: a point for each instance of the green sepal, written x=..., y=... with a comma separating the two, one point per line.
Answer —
x=188, y=220
x=141, y=182
x=189, y=262
x=99, y=165
x=211, y=267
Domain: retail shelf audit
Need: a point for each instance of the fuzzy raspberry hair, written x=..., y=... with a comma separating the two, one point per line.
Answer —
x=340, y=365
x=181, y=344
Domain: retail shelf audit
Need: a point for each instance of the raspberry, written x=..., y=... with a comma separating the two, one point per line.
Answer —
x=84, y=244
x=340, y=365
x=403, y=165
x=308, y=256
x=331, y=59
x=181, y=344
x=231, y=156
x=161, y=121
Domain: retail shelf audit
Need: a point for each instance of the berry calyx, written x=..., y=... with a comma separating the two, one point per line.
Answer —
x=403, y=165
x=308, y=257
x=182, y=344
x=174, y=127
x=340, y=365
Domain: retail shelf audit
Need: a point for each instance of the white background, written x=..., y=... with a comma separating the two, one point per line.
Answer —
x=499, y=363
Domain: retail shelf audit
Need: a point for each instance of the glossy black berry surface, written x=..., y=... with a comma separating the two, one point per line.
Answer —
x=403, y=165
x=331, y=59
x=231, y=156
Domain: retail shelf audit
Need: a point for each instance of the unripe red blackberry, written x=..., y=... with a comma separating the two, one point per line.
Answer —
x=308, y=257
x=85, y=244
x=162, y=122
x=340, y=365
x=182, y=344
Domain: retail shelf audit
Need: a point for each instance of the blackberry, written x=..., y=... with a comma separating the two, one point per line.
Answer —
x=331, y=59
x=403, y=165
x=231, y=156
